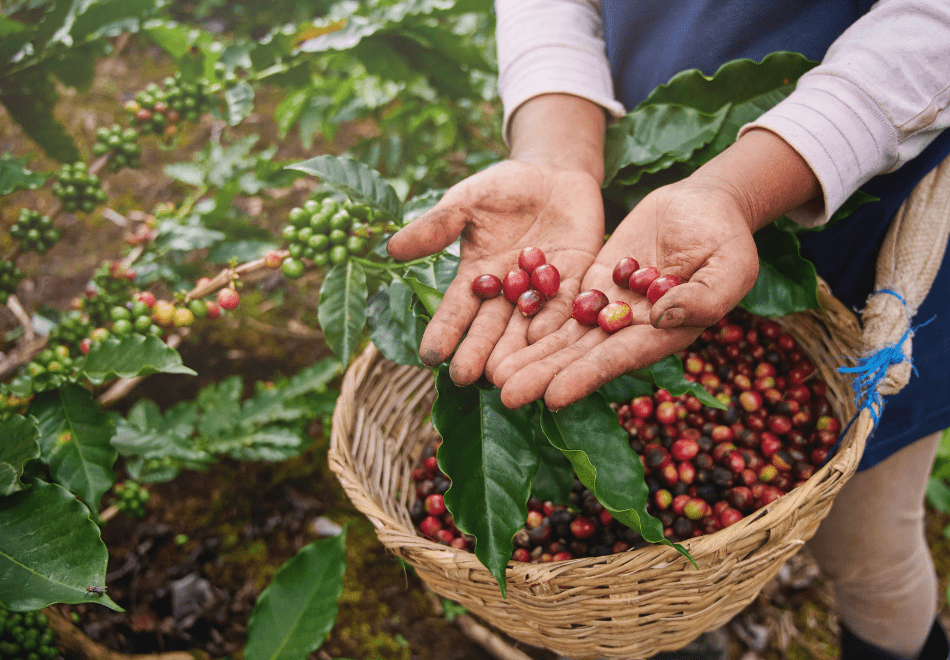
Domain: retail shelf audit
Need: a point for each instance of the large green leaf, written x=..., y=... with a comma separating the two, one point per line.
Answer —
x=342, y=310
x=75, y=438
x=490, y=454
x=14, y=175
x=239, y=102
x=30, y=99
x=357, y=181
x=133, y=355
x=554, y=479
x=667, y=374
x=18, y=446
x=386, y=333
x=50, y=550
x=787, y=282
x=591, y=438
x=296, y=612
x=110, y=18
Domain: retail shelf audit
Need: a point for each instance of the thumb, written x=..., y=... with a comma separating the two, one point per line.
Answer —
x=431, y=232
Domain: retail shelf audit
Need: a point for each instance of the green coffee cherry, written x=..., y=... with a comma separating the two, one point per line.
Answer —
x=34, y=231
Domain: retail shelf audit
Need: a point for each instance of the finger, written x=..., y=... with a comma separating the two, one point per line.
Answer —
x=609, y=359
x=431, y=232
x=555, y=312
x=489, y=325
x=513, y=340
x=451, y=318
x=567, y=337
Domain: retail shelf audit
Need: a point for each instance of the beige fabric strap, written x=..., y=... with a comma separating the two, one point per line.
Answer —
x=910, y=256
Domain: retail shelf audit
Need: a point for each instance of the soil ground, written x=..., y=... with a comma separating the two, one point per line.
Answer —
x=189, y=571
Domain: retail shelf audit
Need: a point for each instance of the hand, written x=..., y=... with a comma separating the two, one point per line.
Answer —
x=498, y=212
x=697, y=231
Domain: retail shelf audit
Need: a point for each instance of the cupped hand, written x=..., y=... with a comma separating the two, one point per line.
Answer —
x=698, y=232
x=497, y=213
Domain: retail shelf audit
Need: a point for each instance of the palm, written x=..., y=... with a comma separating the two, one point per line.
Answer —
x=497, y=213
x=677, y=229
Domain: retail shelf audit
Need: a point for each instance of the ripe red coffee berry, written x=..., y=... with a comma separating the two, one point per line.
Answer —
x=583, y=528
x=661, y=285
x=486, y=286
x=623, y=270
x=530, y=302
x=530, y=258
x=642, y=278
x=587, y=306
x=228, y=298
x=615, y=316
x=546, y=280
x=516, y=282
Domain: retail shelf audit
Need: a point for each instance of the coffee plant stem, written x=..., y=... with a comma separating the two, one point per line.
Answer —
x=382, y=267
x=13, y=304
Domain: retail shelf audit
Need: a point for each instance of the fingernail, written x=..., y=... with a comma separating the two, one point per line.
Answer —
x=672, y=318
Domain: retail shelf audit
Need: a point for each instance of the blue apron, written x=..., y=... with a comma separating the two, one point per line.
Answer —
x=649, y=41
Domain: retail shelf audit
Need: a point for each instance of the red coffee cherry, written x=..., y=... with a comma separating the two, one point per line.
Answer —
x=623, y=270
x=661, y=285
x=486, y=286
x=642, y=278
x=546, y=280
x=516, y=282
x=530, y=302
x=530, y=258
x=587, y=306
x=615, y=316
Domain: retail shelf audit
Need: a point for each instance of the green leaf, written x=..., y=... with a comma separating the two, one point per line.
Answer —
x=76, y=67
x=787, y=282
x=342, y=310
x=429, y=296
x=591, y=438
x=18, y=446
x=624, y=388
x=146, y=433
x=76, y=441
x=220, y=405
x=14, y=175
x=938, y=494
x=387, y=334
x=50, y=550
x=296, y=612
x=134, y=355
x=554, y=479
x=656, y=136
x=357, y=181
x=113, y=17
x=667, y=374
x=239, y=103
x=490, y=454
x=272, y=443
x=30, y=100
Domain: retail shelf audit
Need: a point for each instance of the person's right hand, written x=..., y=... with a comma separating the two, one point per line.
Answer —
x=498, y=212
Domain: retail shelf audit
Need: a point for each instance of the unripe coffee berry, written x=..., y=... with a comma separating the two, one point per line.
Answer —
x=661, y=285
x=587, y=306
x=615, y=316
x=623, y=270
x=546, y=280
x=486, y=286
x=516, y=282
x=530, y=258
x=272, y=259
x=642, y=278
x=530, y=302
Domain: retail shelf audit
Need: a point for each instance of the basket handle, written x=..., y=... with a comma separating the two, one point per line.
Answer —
x=907, y=264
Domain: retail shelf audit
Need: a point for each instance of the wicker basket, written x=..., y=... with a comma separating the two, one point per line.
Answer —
x=627, y=605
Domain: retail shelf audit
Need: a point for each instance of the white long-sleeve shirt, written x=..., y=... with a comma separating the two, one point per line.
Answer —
x=879, y=97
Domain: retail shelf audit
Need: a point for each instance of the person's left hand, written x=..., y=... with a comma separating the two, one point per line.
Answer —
x=696, y=231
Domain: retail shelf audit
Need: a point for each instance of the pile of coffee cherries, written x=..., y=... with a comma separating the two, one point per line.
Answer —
x=705, y=468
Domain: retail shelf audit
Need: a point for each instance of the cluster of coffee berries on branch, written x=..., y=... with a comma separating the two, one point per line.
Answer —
x=26, y=636
x=592, y=308
x=131, y=498
x=48, y=369
x=121, y=145
x=160, y=110
x=77, y=188
x=428, y=511
x=528, y=286
x=706, y=468
x=112, y=284
x=34, y=231
x=328, y=232
x=10, y=278
x=11, y=404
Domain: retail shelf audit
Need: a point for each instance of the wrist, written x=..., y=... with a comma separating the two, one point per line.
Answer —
x=560, y=130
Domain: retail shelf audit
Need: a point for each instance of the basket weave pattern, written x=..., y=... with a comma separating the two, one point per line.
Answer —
x=627, y=605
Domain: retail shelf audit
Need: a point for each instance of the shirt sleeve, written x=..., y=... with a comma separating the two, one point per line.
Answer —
x=552, y=46
x=879, y=97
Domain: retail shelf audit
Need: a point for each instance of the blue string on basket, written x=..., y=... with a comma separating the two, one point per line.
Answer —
x=872, y=369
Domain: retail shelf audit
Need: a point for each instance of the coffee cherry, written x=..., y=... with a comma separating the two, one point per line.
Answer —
x=615, y=316
x=516, y=283
x=530, y=302
x=642, y=278
x=272, y=259
x=583, y=528
x=163, y=312
x=228, y=298
x=546, y=280
x=292, y=269
x=624, y=270
x=486, y=286
x=660, y=286
x=587, y=306
x=530, y=258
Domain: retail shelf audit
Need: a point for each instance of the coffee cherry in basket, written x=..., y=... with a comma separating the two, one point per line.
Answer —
x=587, y=306
x=615, y=316
x=486, y=286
